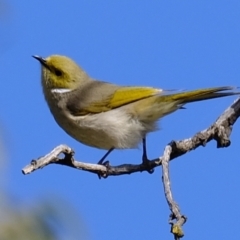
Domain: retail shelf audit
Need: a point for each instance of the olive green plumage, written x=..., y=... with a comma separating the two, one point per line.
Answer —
x=105, y=115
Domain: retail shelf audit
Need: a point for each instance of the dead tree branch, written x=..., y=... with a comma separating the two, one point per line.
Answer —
x=219, y=131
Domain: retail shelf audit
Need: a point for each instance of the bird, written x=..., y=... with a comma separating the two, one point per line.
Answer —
x=109, y=116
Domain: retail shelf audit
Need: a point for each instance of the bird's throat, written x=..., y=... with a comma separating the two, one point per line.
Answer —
x=61, y=90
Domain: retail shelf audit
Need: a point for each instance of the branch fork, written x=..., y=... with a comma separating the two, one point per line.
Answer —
x=219, y=131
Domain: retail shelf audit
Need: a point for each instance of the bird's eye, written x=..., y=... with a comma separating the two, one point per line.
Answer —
x=58, y=73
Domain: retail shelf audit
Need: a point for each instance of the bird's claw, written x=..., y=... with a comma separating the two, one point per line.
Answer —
x=147, y=165
x=107, y=165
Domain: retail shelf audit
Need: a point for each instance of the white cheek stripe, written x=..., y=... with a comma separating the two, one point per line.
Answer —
x=61, y=90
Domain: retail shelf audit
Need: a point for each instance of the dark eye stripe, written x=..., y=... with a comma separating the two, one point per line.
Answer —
x=58, y=73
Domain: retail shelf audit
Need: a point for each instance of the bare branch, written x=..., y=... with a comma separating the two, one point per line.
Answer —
x=176, y=226
x=219, y=131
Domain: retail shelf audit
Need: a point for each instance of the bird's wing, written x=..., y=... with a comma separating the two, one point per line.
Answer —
x=127, y=95
x=101, y=99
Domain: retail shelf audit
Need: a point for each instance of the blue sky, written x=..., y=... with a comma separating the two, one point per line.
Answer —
x=166, y=44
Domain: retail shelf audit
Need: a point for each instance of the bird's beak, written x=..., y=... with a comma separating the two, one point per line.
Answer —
x=41, y=60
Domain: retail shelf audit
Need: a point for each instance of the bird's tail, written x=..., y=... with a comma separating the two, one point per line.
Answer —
x=199, y=95
x=151, y=109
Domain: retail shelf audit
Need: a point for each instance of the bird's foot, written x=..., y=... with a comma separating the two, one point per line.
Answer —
x=147, y=164
x=105, y=164
x=105, y=173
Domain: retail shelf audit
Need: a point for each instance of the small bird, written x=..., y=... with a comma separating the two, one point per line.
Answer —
x=108, y=116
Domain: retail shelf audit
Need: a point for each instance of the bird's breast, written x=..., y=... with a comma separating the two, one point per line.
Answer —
x=112, y=129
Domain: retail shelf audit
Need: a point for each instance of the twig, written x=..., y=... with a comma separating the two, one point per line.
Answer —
x=176, y=226
x=219, y=131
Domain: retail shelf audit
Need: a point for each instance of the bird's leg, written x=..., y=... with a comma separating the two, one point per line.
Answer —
x=104, y=157
x=144, y=156
x=145, y=160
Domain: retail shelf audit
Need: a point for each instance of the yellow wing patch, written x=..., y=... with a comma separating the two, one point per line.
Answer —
x=120, y=97
x=127, y=95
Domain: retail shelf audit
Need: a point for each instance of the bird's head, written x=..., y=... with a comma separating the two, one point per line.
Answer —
x=60, y=73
